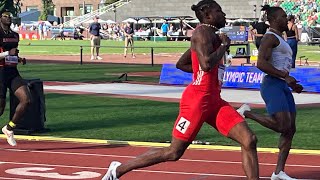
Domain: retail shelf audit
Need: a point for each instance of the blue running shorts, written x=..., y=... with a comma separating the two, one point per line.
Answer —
x=277, y=95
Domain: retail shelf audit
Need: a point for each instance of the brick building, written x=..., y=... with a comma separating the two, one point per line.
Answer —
x=63, y=7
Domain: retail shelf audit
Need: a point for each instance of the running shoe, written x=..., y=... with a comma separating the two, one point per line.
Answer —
x=281, y=176
x=111, y=173
x=243, y=108
x=10, y=136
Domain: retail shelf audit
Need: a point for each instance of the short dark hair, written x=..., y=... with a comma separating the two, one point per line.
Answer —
x=201, y=8
x=291, y=17
x=270, y=11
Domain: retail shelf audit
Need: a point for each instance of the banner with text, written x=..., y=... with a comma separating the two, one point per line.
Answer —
x=243, y=77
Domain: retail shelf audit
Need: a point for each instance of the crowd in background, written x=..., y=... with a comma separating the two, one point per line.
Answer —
x=306, y=12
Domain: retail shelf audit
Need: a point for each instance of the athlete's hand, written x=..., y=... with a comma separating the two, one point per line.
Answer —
x=13, y=52
x=290, y=80
x=297, y=88
x=225, y=39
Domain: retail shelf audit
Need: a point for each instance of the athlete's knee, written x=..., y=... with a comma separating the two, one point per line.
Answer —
x=250, y=142
x=26, y=101
x=174, y=154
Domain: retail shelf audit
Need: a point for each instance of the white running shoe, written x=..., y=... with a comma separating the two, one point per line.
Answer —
x=281, y=176
x=243, y=108
x=93, y=58
x=111, y=173
x=9, y=135
x=99, y=58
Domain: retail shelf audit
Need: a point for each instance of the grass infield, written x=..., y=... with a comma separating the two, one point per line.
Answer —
x=68, y=47
x=85, y=116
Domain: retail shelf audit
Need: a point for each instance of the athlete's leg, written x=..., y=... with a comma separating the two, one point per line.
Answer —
x=24, y=97
x=282, y=120
x=155, y=156
x=279, y=122
x=231, y=124
x=248, y=141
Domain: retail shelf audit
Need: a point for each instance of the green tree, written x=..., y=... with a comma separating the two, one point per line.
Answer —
x=47, y=9
x=8, y=4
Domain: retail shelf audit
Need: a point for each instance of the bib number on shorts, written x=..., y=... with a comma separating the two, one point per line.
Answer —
x=11, y=60
x=182, y=125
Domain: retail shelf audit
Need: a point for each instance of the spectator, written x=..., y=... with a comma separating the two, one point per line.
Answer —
x=40, y=30
x=292, y=37
x=45, y=30
x=128, y=32
x=258, y=30
x=165, y=28
x=61, y=32
x=95, y=38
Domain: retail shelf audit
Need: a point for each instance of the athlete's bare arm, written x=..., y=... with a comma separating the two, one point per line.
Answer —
x=202, y=42
x=264, y=57
x=185, y=62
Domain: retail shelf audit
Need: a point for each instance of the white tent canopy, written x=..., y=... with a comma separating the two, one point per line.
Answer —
x=109, y=21
x=143, y=21
x=130, y=20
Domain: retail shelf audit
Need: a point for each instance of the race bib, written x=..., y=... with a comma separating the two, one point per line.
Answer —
x=11, y=60
x=221, y=70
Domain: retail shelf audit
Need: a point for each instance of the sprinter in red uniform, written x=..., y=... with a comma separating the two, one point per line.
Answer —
x=201, y=101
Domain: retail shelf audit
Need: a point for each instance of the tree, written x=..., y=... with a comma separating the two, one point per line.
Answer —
x=48, y=7
x=8, y=4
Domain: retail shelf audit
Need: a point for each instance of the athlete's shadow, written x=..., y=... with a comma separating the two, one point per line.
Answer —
x=81, y=147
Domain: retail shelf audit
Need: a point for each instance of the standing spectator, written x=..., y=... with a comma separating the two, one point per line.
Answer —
x=45, y=29
x=94, y=30
x=258, y=30
x=292, y=37
x=165, y=28
x=61, y=32
x=128, y=34
x=40, y=30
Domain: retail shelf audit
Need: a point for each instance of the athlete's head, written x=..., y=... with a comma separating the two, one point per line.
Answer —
x=210, y=12
x=276, y=17
x=6, y=17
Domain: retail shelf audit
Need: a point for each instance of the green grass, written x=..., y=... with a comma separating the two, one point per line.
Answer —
x=87, y=72
x=85, y=116
x=72, y=47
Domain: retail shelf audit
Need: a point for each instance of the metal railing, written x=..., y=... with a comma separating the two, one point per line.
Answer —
x=80, y=19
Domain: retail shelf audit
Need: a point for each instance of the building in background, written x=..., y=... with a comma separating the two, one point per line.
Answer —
x=64, y=8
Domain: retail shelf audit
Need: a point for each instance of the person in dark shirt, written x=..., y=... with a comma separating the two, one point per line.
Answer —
x=128, y=34
x=292, y=37
x=95, y=38
x=9, y=75
x=258, y=30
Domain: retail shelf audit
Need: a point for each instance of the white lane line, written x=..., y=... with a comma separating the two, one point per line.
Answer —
x=146, y=171
x=131, y=157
